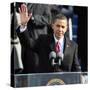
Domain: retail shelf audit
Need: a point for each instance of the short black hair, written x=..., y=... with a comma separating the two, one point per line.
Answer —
x=58, y=16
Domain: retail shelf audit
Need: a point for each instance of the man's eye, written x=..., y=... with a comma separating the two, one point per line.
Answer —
x=58, y=25
x=63, y=27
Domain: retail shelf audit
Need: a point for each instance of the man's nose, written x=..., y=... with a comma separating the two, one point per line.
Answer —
x=60, y=29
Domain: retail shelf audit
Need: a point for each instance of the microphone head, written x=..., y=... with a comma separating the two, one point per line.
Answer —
x=52, y=55
x=60, y=55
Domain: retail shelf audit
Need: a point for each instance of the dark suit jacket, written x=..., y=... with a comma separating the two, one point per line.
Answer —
x=44, y=45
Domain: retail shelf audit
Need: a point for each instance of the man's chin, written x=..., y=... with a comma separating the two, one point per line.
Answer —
x=59, y=37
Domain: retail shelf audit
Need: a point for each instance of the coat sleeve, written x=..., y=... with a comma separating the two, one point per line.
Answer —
x=76, y=64
x=27, y=41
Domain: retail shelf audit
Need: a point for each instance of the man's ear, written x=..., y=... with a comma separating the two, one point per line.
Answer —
x=67, y=27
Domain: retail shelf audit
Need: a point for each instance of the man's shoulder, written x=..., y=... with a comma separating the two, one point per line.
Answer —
x=43, y=38
x=74, y=44
x=71, y=42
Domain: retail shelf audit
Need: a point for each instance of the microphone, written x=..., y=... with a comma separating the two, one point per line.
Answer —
x=52, y=57
x=59, y=58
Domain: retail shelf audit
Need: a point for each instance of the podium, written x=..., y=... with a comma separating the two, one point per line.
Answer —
x=45, y=79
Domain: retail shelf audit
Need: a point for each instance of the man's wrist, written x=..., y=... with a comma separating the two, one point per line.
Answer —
x=23, y=27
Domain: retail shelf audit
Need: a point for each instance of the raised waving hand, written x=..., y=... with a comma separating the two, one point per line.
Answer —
x=24, y=15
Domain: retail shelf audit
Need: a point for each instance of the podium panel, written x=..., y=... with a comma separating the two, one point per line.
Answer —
x=45, y=79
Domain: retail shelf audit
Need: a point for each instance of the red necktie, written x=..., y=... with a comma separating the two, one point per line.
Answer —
x=57, y=47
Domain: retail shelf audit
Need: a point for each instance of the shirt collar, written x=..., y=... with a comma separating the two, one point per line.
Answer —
x=61, y=40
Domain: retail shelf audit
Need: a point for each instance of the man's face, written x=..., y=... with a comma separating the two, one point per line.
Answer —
x=59, y=27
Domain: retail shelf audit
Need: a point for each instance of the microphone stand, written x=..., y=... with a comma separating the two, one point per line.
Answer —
x=57, y=68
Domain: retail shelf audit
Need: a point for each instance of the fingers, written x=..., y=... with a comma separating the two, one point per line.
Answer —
x=23, y=8
x=24, y=17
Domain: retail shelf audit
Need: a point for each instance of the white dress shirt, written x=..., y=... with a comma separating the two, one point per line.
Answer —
x=61, y=41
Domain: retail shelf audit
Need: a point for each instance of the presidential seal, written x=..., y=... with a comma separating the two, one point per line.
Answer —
x=55, y=82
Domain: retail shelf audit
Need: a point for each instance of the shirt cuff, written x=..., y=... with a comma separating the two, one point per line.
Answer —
x=23, y=28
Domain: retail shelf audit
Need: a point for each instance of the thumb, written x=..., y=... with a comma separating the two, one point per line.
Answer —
x=29, y=16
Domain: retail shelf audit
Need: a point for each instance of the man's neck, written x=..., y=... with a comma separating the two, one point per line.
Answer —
x=58, y=39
